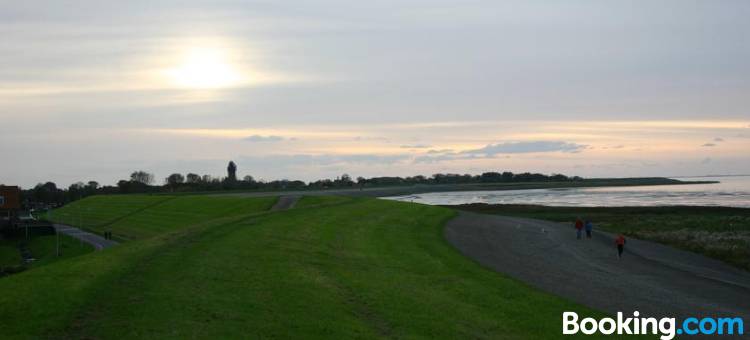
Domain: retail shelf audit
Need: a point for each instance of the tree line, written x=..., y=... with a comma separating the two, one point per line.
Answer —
x=144, y=182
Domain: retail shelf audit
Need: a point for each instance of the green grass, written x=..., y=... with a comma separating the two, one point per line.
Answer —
x=359, y=269
x=44, y=248
x=185, y=210
x=151, y=215
x=9, y=255
x=310, y=201
x=96, y=211
x=719, y=232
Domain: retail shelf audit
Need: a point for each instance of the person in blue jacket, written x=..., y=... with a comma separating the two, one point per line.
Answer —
x=589, y=228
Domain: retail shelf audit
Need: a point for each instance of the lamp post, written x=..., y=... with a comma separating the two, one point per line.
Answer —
x=80, y=225
x=57, y=242
x=57, y=234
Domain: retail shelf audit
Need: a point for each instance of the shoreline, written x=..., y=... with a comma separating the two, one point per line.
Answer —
x=405, y=190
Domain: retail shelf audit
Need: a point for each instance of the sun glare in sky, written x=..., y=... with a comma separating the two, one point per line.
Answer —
x=205, y=68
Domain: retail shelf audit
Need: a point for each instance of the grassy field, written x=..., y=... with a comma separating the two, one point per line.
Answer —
x=98, y=211
x=719, y=232
x=312, y=201
x=131, y=217
x=9, y=255
x=43, y=249
x=329, y=268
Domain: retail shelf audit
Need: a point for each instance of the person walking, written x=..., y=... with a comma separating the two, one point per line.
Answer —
x=589, y=228
x=579, y=227
x=620, y=242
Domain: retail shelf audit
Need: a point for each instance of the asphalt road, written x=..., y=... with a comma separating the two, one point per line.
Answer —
x=653, y=279
x=95, y=240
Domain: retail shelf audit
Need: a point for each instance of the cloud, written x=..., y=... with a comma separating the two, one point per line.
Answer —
x=718, y=139
x=322, y=160
x=416, y=146
x=259, y=138
x=368, y=138
x=432, y=152
x=708, y=145
x=435, y=159
x=495, y=150
x=526, y=147
x=706, y=160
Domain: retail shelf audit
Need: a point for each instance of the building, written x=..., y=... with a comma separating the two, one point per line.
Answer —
x=10, y=204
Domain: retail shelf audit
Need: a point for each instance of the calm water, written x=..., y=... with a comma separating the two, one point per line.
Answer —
x=731, y=192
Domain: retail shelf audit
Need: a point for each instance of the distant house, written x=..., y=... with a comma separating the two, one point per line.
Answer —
x=10, y=204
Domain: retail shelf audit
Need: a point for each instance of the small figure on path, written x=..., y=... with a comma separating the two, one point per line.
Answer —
x=620, y=242
x=579, y=227
x=589, y=227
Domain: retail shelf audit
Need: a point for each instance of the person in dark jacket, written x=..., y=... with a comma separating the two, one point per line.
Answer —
x=589, y=228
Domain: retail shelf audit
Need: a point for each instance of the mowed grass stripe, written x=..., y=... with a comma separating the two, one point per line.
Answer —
x=186, y=210
x=50, y=300
x=310, y=201
x=95, y=212
x=366, y=269
x=131, y=217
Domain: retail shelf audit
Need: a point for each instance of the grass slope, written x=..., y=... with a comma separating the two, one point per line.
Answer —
x=96, y=211
x=364, y=268
x=313, y=201
x=139, y=216
x=9, y=254
x=719, y=232
x=185, y=210
x=42, y=248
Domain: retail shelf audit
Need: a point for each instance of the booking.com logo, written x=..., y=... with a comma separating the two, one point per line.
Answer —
x=666, y=327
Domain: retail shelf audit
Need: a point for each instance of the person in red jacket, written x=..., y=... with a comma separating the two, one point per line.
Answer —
x=620, y=242
x=579, y=227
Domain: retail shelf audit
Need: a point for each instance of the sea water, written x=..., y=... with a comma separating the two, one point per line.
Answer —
x=731, y=191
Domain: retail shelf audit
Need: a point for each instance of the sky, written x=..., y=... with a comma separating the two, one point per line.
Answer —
x=93, y=90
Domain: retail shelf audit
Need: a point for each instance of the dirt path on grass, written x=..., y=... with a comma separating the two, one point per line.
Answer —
x=285, y=202
x=654, y=279
x=95, y=240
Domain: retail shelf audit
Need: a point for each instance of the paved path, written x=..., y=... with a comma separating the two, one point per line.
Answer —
x=654, y=279
x=285, y=202
x=95, y=240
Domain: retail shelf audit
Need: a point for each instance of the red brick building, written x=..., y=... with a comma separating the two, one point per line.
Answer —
x=10, y=203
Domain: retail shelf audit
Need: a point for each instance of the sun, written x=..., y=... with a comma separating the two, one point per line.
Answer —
x=205, y=68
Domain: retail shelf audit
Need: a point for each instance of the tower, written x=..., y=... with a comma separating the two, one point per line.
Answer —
x=232, y=172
